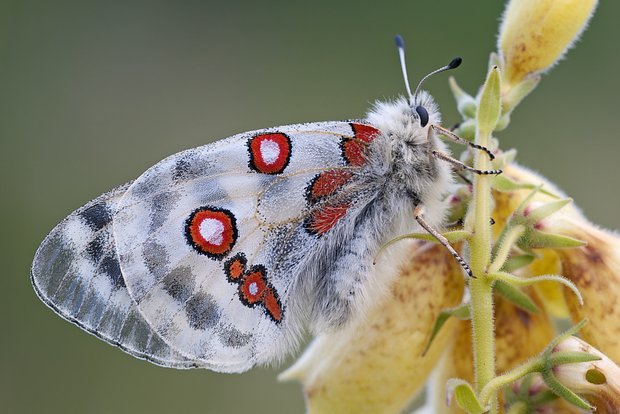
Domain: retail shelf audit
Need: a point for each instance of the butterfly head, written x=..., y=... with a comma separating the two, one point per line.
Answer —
x=418, y=100
x=404, y=120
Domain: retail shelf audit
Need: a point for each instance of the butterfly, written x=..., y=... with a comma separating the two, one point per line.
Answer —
x=221, y=256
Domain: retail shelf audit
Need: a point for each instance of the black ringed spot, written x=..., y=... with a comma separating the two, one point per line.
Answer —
x=235, y=268
x=269, y=152
x=211, y=231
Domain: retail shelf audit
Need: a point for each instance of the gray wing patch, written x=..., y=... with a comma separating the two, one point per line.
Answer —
x=76, y=273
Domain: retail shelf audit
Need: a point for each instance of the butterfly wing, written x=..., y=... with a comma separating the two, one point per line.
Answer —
x=210, y=240
x=76, y=273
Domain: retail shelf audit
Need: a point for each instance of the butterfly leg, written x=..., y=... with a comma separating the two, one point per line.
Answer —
x=462, y=177
x=446, y=132
x=460, y=166
x=419, y=217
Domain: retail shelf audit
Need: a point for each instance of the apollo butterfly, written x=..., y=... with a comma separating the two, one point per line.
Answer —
x=220, y=256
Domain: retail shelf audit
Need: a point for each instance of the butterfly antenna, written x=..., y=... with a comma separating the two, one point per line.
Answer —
x=400, y=44
x=454, y=63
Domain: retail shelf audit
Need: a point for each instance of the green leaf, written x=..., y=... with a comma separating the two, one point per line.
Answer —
x=559, y=389
x=464, y=395
x=489, y=106
x=516, y=296
x=466, y=129
x=465, y=103
x=518, y=92
x=494, y=60
x=544, y=240
x=571, y=357
x=461, y=312
x=517, y=262
x=504, y=184
x=527, y=281
x=547, y=209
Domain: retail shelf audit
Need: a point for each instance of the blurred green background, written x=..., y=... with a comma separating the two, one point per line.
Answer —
x=93, y=93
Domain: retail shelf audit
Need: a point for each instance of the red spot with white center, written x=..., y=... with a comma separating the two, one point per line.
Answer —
x=211, y=231
x=269, y=153
x=254, y=286
x=326, y=184
x=354, y=149
x=326, y=217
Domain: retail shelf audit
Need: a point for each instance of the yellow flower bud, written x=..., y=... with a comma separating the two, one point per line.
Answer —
x=376, y=363
x=535, y=34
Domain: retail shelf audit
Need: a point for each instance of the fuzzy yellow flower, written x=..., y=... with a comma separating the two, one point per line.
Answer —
x=376, y=363
x=594, y=268
x=535, y=34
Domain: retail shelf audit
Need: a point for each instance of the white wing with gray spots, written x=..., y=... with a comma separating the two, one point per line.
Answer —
x=210, y=239
x=76, y=273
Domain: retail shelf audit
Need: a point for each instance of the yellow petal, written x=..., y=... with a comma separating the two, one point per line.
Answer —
x=375, y=364
x=551, y=293
x=507, y=202
x=595, y=270
x=535, y=34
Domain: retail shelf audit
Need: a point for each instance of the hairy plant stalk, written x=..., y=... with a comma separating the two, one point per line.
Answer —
x=479, y=218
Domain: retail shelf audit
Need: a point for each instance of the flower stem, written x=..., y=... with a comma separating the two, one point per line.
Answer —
x=481, y=287
x=479, y=220
x=511, y=376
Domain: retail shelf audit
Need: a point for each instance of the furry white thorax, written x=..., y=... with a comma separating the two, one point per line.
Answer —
x=401, y=174
x=405, y=137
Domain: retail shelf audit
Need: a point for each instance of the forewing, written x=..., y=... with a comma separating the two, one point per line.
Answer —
x=207, y=240
x=76, y=273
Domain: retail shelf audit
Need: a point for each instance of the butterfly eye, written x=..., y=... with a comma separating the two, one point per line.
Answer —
x=423, y=113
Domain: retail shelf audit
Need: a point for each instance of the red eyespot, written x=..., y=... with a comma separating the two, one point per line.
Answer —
x=269, y=153
x=253, y=287
x=211, y=231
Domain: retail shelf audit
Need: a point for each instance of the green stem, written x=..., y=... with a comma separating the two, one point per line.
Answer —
x=479, y=220
x=481, y=288
x=493, y=386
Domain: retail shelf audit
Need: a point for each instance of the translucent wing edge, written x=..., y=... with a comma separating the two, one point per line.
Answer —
x=50, y=304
